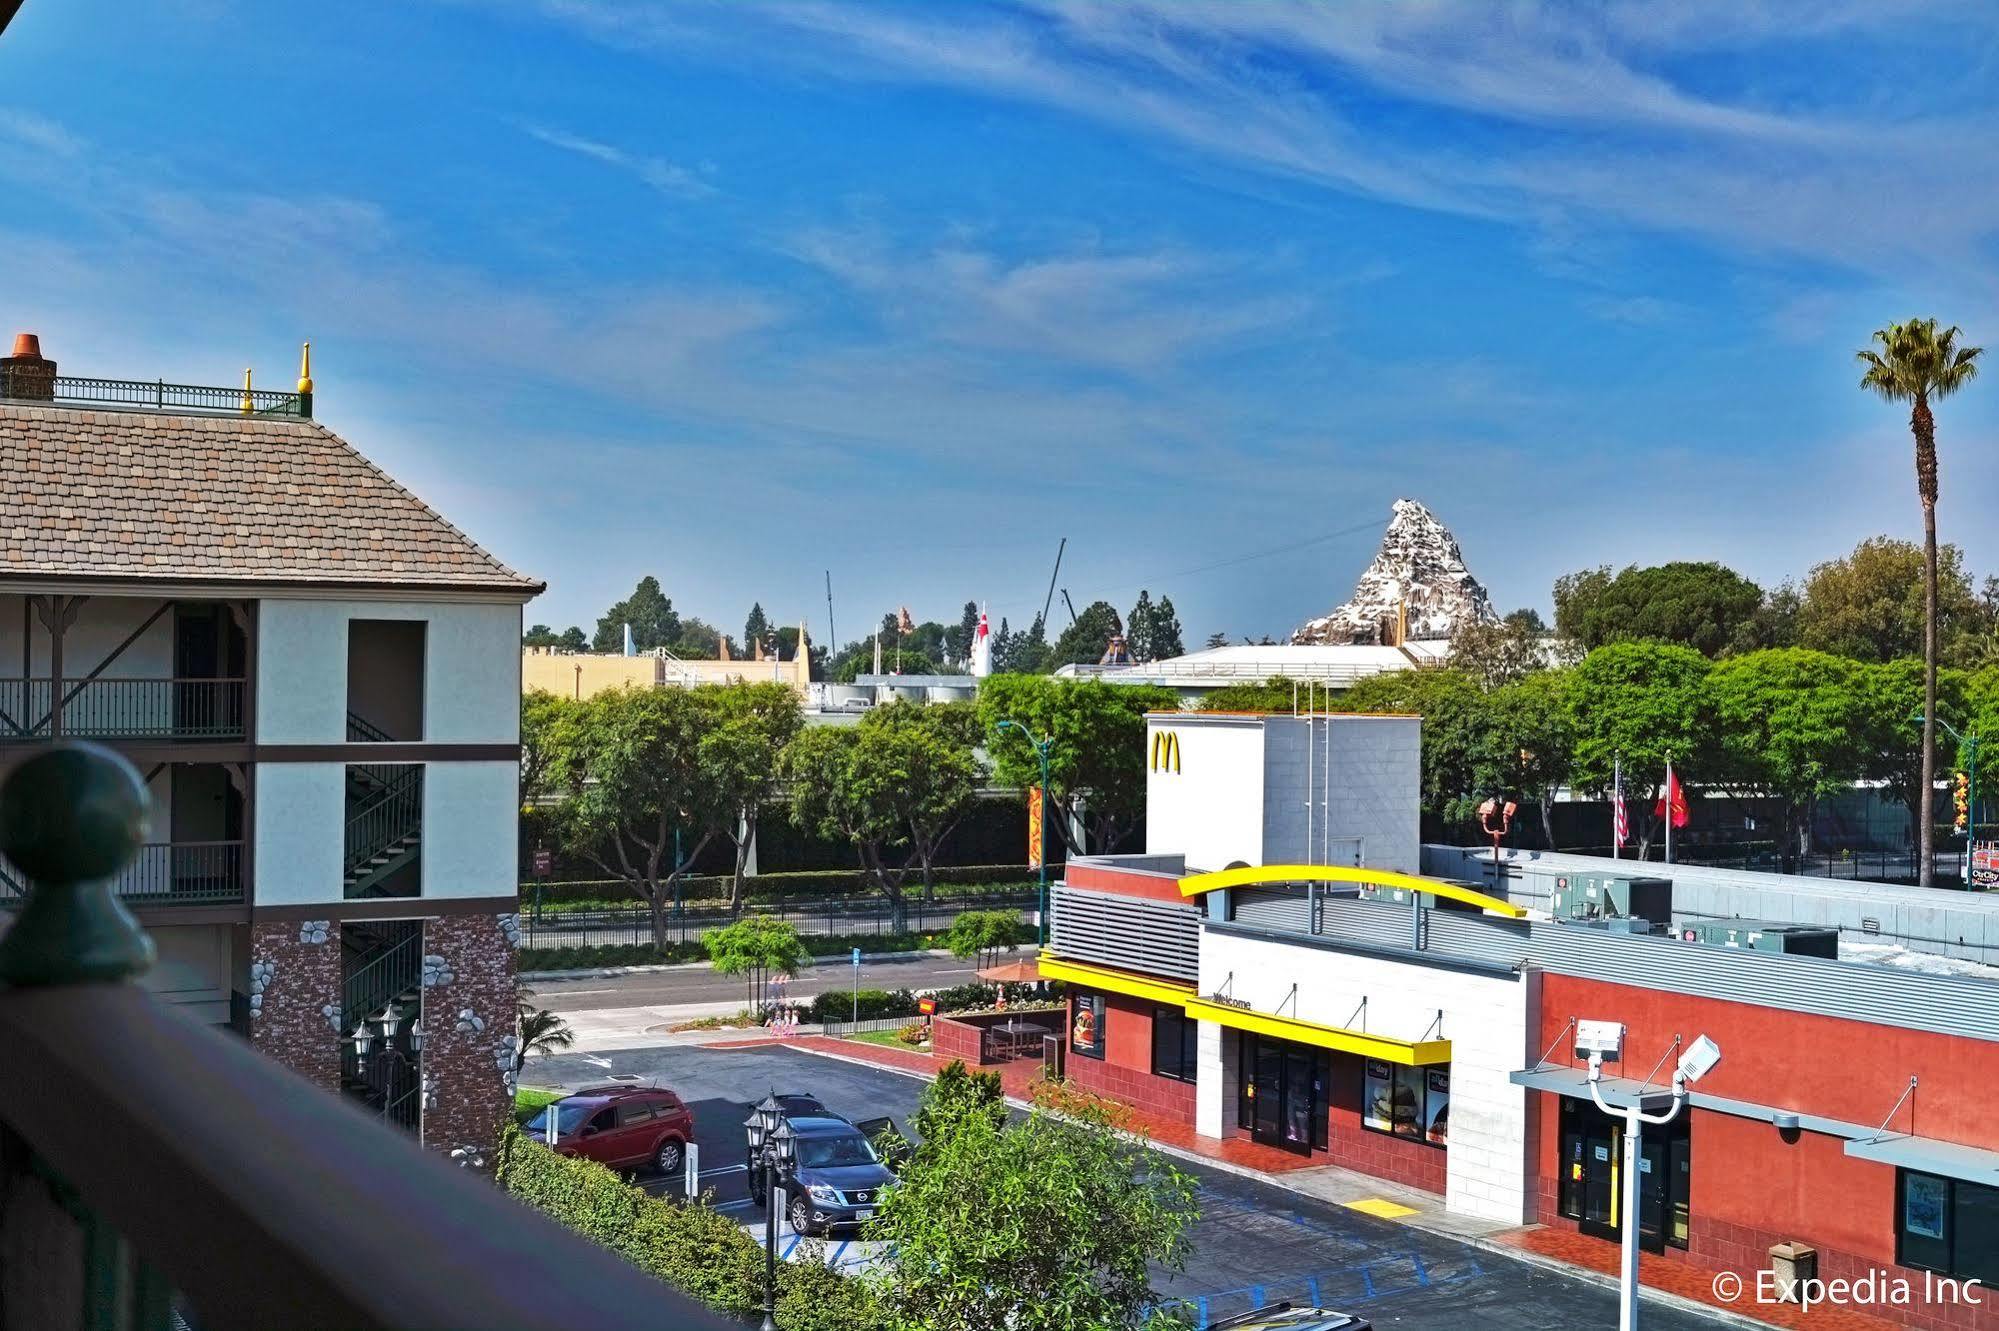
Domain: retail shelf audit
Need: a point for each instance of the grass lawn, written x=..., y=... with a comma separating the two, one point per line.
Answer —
x=890, y=1039
x=527, y=1099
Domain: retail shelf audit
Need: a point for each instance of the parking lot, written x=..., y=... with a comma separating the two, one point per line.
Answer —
x=1255, y=1244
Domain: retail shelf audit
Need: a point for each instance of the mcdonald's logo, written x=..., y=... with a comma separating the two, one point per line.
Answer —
x=1166, y=751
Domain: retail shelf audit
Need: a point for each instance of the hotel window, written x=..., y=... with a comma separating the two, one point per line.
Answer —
x=1947, y=1226
x=1173, y=1044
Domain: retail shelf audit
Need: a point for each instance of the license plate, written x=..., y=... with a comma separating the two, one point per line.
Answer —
x=864, y=1215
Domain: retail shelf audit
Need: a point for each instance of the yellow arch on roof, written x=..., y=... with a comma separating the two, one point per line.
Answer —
x=1267, y=874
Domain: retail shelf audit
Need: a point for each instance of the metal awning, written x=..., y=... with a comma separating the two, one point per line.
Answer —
x=1409, y=1053
x=1170, y=992
x=1616, y=1091
x=1930, y=1156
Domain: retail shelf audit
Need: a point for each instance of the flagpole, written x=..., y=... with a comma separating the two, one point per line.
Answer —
x=1616, y=798
x=1669, y=808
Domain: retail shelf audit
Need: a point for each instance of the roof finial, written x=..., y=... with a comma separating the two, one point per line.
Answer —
x=249, y=407
x=305, y=369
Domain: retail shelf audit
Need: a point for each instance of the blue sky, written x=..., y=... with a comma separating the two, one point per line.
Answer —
x=736, y=293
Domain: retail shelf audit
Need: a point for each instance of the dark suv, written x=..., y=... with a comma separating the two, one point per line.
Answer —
x=838, y=1179
x=620, y=1126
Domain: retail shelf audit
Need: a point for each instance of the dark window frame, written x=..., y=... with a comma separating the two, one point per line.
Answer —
x=1953, y=1267
x=1102, y=1011
x=1190, y=1045
x=1422, y=1073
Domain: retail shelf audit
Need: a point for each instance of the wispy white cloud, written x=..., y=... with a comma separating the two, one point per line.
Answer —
x=38, y=132
x=665, y=176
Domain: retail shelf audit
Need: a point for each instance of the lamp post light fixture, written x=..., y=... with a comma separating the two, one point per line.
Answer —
x=1487, y=811
x=1041, y=747
x=1604, y=1039
x=773, y=1149
x=390, y=1059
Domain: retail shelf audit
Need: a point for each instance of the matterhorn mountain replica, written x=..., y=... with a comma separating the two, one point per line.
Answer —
x=1417, y=587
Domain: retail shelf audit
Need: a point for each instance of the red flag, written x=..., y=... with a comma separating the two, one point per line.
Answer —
x=1621, y=826
x=1675, y=799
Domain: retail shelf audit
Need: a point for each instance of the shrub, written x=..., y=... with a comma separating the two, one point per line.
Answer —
x=914, y=1033
x=875, y=1005
x=692, y=1247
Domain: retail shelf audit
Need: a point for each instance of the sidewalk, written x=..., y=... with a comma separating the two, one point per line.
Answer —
x=1676, y=1283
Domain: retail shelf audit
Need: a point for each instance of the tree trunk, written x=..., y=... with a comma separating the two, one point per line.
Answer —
x=1924, y=426
x=655, y=895
x=1547, y=803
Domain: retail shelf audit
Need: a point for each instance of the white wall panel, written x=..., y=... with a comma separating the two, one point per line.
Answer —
x=470, y=837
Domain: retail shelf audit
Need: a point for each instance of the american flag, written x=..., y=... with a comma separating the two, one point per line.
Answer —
x=1621, y=826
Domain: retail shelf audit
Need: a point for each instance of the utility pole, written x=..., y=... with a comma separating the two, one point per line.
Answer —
x=832, y=638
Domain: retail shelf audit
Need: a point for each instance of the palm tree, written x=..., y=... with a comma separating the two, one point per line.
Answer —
x=541, y=1031
x=1915, y=364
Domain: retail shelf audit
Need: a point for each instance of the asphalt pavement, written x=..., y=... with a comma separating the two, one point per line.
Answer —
x=1254, y=1245
x=683, y=985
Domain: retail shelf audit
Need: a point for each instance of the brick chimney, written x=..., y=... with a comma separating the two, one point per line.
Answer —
x=27, y=373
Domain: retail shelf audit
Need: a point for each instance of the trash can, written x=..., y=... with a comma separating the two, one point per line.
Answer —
x=1792, y=1263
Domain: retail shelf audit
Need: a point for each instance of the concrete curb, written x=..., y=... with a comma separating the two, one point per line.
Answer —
x=1664, y=1298
x=613, y=972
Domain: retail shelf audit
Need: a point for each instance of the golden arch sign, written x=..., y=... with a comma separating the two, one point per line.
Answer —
x=1166, y=751
x=1276, y=874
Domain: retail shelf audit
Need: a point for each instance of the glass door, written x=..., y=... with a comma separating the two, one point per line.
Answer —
x=1268, y=1069
x=1300, y=1103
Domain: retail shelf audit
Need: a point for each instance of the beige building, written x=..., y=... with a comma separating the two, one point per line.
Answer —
x=584, y=675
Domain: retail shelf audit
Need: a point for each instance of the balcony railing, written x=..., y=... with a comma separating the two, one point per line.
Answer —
x=155, y=1171
x=171, y=709
x=178, y=873
x=160, y=396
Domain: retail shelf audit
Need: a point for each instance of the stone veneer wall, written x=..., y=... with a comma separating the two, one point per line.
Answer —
x=468, y=1026
x=295, y=996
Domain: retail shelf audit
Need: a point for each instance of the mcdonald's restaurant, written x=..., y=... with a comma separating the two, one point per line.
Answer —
x=1275, y=969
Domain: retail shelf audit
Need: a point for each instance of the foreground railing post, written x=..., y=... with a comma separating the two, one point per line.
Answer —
x=71, y=819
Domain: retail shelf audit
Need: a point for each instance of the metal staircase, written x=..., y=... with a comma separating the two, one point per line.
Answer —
x=383, y=965
x=385, y=819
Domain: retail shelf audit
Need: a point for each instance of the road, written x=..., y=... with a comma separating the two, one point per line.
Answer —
x=1253, y=1242
x=685, y=985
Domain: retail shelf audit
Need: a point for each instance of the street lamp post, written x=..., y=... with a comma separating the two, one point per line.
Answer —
x=1971, y=743
x=1601, y=1039
x=1041, y=747
x=772, y=1150
x=390, y=1058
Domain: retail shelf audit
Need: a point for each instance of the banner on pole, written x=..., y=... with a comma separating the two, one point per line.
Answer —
x=1034, y=827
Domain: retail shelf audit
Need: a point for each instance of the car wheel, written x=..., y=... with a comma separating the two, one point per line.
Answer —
x=669, y=1156
x=801, y=1215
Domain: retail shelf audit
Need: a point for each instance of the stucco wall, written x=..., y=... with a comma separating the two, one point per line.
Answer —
x=1211, y=809
x=300, y=821
x=471, y=687
x=470, y=813
x=1486, y=1018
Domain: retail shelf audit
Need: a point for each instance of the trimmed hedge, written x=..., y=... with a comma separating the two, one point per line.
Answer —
x=771, y=886
x=880, y=1004
x=694, y=1248
x=645, y=954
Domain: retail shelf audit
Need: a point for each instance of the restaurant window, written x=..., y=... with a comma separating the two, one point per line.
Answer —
x=1173, y=1044
x=1086, y=1025
x=1947, y=1225
x=1414, y=1103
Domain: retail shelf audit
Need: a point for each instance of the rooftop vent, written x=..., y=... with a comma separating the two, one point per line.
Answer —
x=26, y=373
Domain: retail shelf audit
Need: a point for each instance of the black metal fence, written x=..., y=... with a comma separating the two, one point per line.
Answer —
x=164, y=708
x=822, y=915
x=159, y=395
x=182, y=873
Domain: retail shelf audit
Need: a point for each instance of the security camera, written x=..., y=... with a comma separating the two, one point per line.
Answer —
x=1699, y=1060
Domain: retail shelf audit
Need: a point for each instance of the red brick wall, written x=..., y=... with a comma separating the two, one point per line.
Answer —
x=289, y=1021
x=1124, y=1073
x=1750, y=1187
x=1122, y=882
x=472, y=1093
x=951, y=1039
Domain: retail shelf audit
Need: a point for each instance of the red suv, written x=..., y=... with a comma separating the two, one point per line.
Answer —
x=620, y=1126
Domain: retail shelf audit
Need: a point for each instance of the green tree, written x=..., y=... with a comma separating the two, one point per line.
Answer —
x=1775, y=623
x=1152, y=630
x=1527, y=618
x=1084, y=641
x=573, y=640
x=1980, y=713
x=650, y=614
x=1044, y=1224
x=699, y=640
x=1698, y=605
x=1576, y=596
x=1917, y=364
x=757, y=947
x=741, y=754
x=1496, y=653
x=544, y=716
x=963, y=635
x=1022, y=652
x=1217, y=640
x=1276, y=694
x=1871, y=604
x=1645, y=702
x=1526, y=739
x=630, y=762
x=1893, y=696
x=984, y=934
x=540, y=635
x=1792, y=722
x=956, y=1093
x=537, y=1030
x=896, y=779
x=1098, y=754
x=756, y=628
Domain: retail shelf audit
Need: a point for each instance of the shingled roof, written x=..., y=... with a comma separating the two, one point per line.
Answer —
x=106, y=494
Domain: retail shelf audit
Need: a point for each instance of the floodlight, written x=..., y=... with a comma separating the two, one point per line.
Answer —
x=1699, y=1060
